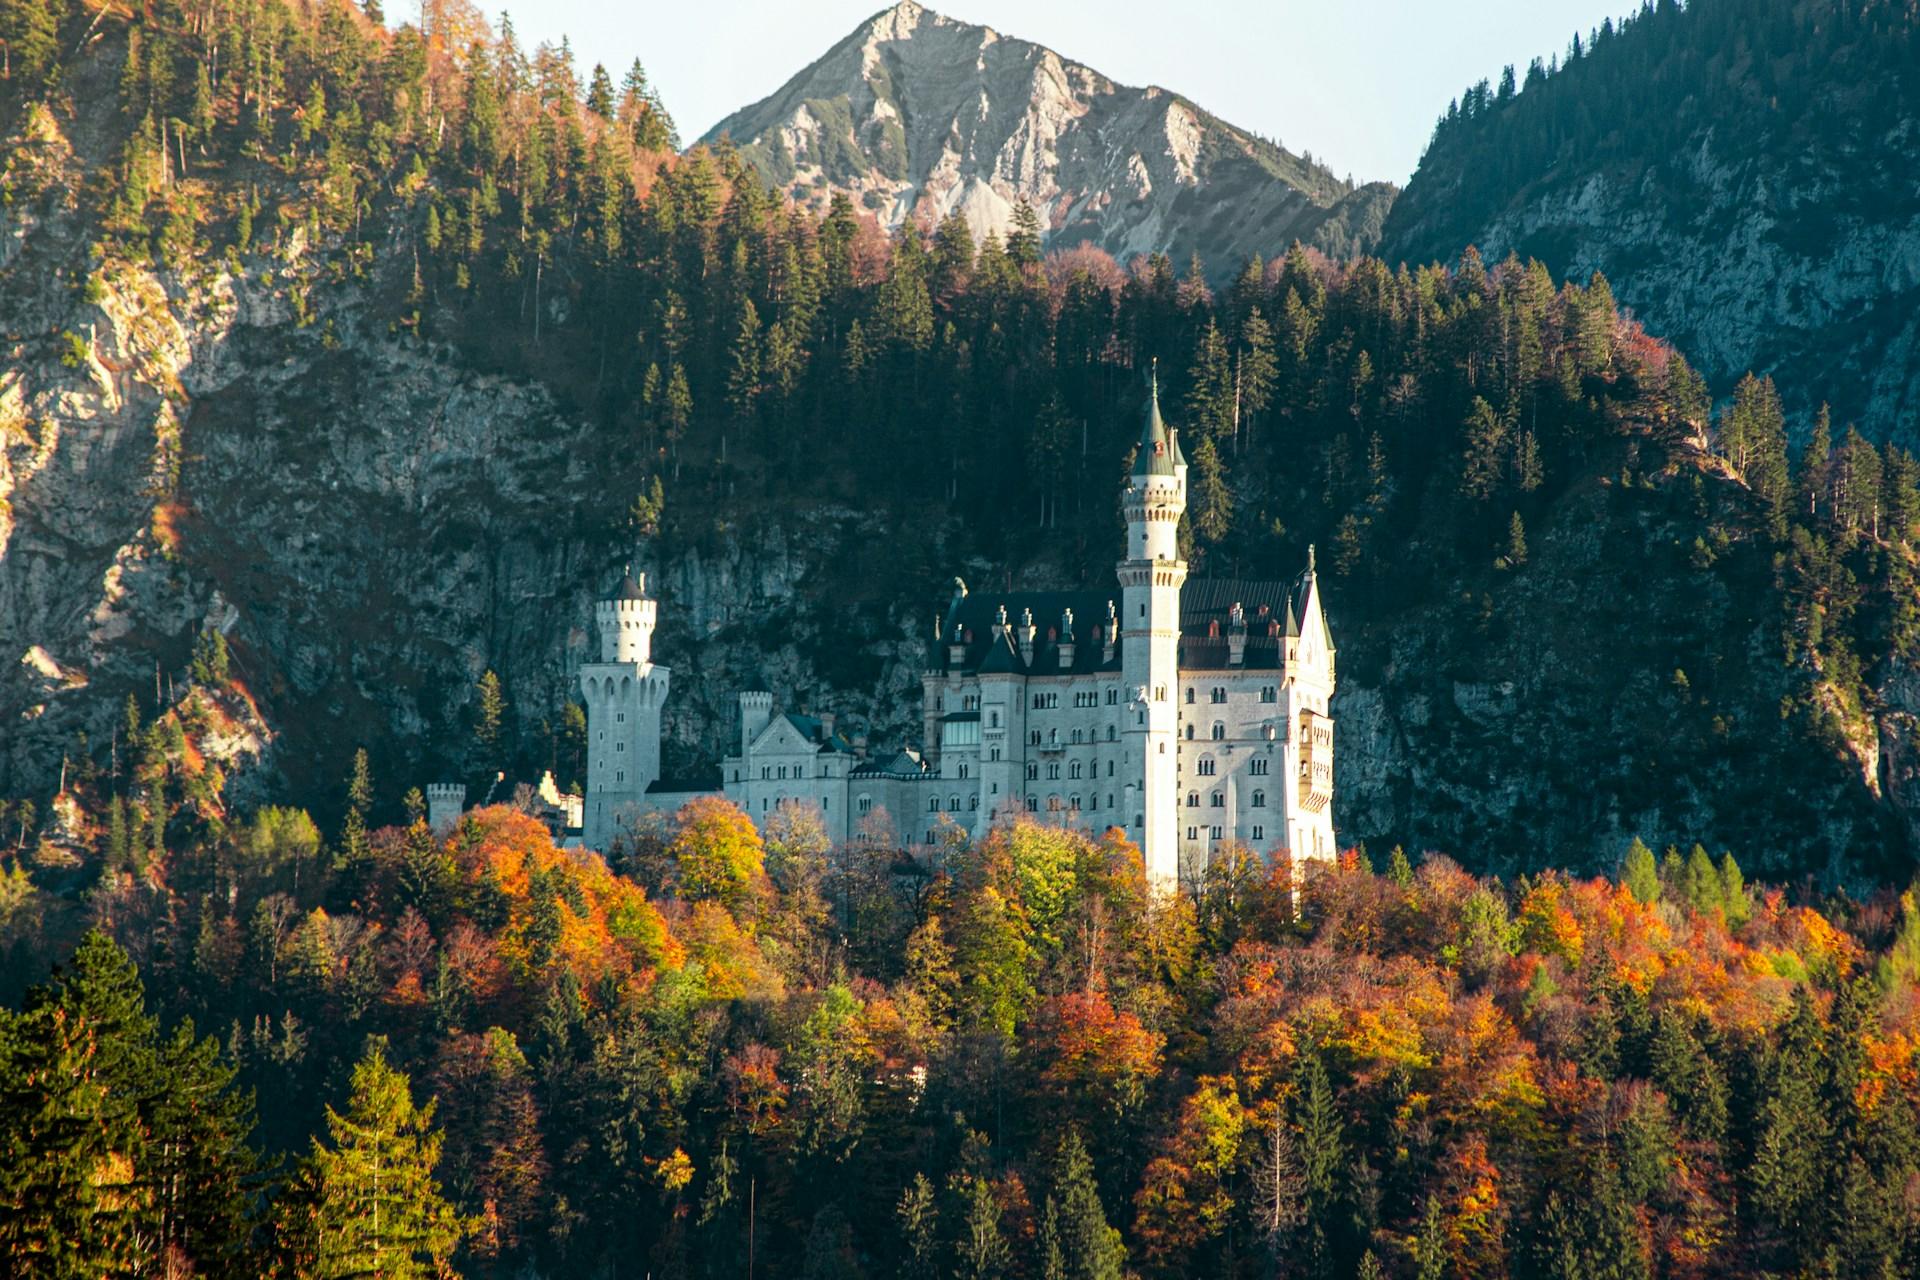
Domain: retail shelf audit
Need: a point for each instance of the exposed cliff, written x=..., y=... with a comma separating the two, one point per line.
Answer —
x=916, y=115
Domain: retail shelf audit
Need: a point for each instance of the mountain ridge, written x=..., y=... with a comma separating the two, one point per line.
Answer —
x=881, y=118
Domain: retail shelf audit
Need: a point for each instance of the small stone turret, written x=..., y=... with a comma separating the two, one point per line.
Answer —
x=445, y=800
x=756, y=711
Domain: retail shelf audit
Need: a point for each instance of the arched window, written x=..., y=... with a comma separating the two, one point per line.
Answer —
x=973, y=802
x=1110, y=733
x=1073, y=770
x=1205, y=767
x=1073, y=804
x=1193, y=799
x=953, y=804
x=1033, y=772
x=1190, y=693
x=1219, y=694
x=933, y=804
x=1219, y=731
x=1189, y=733
x=1259, y=799
x=1217, y=801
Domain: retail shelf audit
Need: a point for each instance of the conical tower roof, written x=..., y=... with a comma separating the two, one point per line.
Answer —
x=1156, y=456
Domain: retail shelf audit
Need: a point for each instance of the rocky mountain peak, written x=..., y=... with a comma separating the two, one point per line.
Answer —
x=916, y=116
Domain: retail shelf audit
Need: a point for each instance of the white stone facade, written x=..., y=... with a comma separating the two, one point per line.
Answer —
x=1190, y=715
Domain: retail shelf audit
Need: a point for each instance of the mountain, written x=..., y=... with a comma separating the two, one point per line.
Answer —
x=1740, y=171
x=918, y=116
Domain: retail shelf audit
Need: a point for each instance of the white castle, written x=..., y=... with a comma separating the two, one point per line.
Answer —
x=1189, y=714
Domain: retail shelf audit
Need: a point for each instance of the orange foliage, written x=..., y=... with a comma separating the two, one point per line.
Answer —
x=1097, y=1049
x=564, y=908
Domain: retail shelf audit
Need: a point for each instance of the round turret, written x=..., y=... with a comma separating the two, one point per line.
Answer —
x=626, y=623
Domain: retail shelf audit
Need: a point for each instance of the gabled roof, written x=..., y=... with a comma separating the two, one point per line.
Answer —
x=813, y=729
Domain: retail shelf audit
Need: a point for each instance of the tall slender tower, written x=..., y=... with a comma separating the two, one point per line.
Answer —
x=624, y=693
x=1150, y=578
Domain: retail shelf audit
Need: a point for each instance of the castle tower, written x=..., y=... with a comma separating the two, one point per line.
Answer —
x=445, y=800
x=624, y=693
x=1310, y=672
x=1150, y=579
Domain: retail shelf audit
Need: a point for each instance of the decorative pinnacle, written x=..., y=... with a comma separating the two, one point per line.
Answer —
x=1309, y=557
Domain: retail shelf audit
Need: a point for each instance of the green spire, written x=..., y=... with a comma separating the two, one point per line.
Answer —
x=1156, y=456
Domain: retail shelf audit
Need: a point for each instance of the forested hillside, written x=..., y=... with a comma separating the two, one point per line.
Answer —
x=1738, y=169
x=379, y=354
x=721, y=1048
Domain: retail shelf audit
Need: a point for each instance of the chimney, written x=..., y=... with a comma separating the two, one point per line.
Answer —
x=1066, y=640
x=1109, y=634
x=1026, y=636
x=826, y=726
x=1237, y=636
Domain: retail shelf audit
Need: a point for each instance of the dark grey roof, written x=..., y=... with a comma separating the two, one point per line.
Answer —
x=1156, y=452
x=901, y=764
x=960, y=717
x=814, y=730
x=973, y=618
x=629, y=589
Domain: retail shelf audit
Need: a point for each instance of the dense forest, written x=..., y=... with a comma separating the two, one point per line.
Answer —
x=724, y=1046
x=314, y=1038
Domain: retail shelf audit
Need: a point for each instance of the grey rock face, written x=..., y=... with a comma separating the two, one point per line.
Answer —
x=916, y=116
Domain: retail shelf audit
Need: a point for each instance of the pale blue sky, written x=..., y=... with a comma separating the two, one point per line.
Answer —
x=1358, y=83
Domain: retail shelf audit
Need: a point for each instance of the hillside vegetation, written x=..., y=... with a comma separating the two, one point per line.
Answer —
x=730, y=1045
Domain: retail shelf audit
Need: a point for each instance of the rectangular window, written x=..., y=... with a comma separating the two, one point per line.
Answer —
x=1259, y=834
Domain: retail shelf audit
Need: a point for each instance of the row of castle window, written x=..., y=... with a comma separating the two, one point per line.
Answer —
x=953, y=803
x=1218, y=800
x=1070, y=804
x=1079, y=736
x=1073, y=771
x=1268, y=693
x=1051, y=701
x=1193, y=833
x=1219, y=732
x=782, y=802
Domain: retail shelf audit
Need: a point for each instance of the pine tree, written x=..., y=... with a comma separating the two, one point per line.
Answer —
x=1430, y=1245
x=1516, y=552
x=984, y=1254
x=1322, y=1156
x=365, y=1201
x=919, y=1229
x=1212, y=499
x=1481, y=467
x=1210, y=388
x=1638, y=873
x=489, y=715
x=1089, y=1247
x=600, y=93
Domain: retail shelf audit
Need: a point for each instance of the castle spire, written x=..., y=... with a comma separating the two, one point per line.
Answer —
x=1156, y=456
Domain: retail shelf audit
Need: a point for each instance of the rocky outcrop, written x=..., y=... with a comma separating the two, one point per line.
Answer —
x=916, y=115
